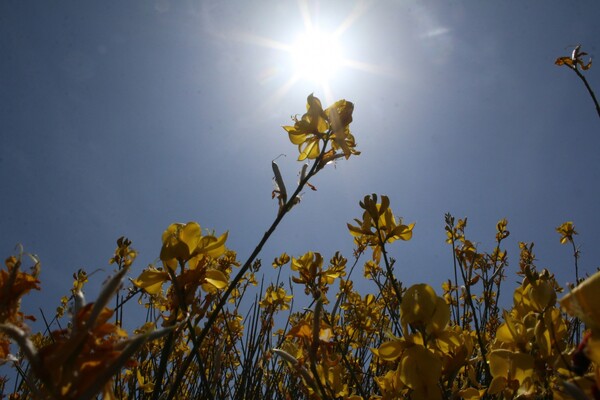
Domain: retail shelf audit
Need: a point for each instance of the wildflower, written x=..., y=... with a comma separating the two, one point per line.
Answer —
x=276, y=298
x=512, y=373
x=14, y=284
x=424, y=310
x=575, y=60
x=318, y=125
x=379, y=225
x=184, y=243
x=566, y=230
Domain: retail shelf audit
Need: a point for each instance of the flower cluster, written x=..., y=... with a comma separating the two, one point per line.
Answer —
x=309, y=333
x=317, y=127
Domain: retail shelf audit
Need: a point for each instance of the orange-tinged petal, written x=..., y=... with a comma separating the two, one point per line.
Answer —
x=564, y=61
x=302, y=330
x=587, y=66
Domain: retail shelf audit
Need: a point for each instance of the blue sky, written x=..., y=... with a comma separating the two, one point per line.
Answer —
x=119, y=118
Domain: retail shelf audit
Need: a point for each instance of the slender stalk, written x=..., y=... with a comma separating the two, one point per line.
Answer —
x=576, y=321
x=588, y=87
x=213, y=316
x=469, y=301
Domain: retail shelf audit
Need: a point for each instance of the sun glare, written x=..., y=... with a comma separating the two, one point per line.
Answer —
x=317, y=56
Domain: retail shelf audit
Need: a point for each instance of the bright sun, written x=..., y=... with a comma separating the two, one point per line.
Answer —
x=317, y=56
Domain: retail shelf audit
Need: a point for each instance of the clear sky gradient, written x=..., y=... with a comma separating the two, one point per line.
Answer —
x=119, y=118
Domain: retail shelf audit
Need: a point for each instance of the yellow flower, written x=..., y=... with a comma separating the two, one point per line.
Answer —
x=511, y=372
x=277, y=298
x=379, y=225
x=144, y=384
x=181, y=242
x=566, y=230
x=309, y=130
x=184, y=243
x=424, y=310
x=318, y=125
x=339, y=116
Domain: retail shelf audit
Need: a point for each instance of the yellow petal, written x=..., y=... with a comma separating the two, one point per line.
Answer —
x=340, y=114
x=503, y=334
x=213, y=247
x=217, y=278
x=173, y=244
x=440, y=318
x=497, y=385
x=403, y=232
x=418, y=304
x=469, y=394
x=583, y=301
x=191, y=235
x=310, y=150
x=295, y=136
x=151, y=280
x=420, y=368
x=391, y=350
x=542, y=295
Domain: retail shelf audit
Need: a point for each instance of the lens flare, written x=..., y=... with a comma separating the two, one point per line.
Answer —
x=317, y=56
